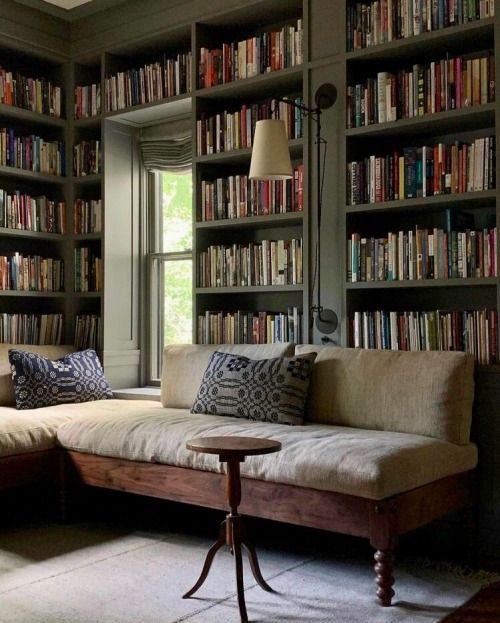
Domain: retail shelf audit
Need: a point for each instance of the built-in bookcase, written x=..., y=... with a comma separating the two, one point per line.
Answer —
x=34, y=306
x=388, y=204
x=141, y=76
x=281, y=303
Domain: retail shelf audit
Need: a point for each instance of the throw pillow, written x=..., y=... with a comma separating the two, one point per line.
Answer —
x=40, y=382
x=269, y=390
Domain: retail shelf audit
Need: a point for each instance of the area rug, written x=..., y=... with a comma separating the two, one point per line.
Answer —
x=103, y=573
x=484, y=607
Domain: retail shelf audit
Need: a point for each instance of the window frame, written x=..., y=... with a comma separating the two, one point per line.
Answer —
x=155, y=262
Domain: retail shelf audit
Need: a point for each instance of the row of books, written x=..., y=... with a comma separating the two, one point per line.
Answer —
x=21, y=211
x=266, y=52
x=87, y=158
x=87, y=216
x=248, y=327
x=474, y=332
x=150, y=83
x=382, y=21
x=88, y=270
x=88, y=331
x=238, y=197
x=35, y=94
x=31, y=328
x=87, y=101
x=446, y=84
x=235, y=130
x=422, y=254
x=31, y=153
x=423, y=172
x=31, y=273
x=271, y=262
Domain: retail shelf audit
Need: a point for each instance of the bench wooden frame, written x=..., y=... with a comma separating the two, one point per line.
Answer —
x=380, y=521
x=23, y=469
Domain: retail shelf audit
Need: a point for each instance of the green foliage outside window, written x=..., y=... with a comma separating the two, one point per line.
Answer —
x=177, y=236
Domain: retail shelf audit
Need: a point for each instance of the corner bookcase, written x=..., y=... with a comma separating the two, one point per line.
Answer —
x=438, y=213
x=34, y=308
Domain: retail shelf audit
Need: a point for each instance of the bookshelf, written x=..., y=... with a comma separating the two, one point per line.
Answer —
x=249, y=98
x=376, y=311
x=33, y=199
x=325, y=59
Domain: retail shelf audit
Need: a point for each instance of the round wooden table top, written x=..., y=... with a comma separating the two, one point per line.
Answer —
x=233, y=445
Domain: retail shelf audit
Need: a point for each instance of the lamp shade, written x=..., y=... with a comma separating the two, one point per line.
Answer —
x=270, y=153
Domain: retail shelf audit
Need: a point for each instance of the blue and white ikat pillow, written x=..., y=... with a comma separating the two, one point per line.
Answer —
x=268, y=390
x=40, y=382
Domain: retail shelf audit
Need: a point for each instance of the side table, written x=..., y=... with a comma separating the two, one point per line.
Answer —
x=233, y=450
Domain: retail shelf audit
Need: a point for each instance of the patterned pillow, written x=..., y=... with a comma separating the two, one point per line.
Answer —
x=40, y=382
x=270, y=390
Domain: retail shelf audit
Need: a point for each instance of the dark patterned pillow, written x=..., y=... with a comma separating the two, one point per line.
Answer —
x=40, y=382
x=270, y=390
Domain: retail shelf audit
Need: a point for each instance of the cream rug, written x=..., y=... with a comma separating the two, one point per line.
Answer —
x=93, y=573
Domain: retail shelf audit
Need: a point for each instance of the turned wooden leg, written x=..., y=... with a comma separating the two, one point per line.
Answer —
x=384, y=538
x=384, y=577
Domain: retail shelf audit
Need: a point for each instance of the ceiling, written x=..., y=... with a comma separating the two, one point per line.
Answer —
x=70, y=10
x=67, y=4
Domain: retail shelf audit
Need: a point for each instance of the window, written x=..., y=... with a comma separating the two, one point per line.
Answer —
x=170, y=263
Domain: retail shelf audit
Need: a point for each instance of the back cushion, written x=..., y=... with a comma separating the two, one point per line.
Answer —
x=184, y=365
x=7, y=397
x=425, y=393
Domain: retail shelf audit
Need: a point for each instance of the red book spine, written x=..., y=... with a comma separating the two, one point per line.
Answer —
x=438, y=88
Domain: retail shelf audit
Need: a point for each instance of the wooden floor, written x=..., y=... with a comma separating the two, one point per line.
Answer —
x=482, y=608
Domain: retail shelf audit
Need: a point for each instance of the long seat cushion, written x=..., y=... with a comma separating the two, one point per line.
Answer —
x=184, y=365
x=32, y=430
x=370, y=464
x=425, y=393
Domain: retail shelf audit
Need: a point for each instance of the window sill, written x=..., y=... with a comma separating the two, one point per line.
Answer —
x=138, y=393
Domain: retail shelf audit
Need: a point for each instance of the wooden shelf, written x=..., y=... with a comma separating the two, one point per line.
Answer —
x=88, y=122
x=87, y=179
x=91, y=236
x=424, y=283
x=144, y=114
x=473, y=117
x=32, y=293
x=250, y=289
x=472, y=199
x=32, y=175
x=239, y=156
x=271, y=220
x=27, y=116
x=264, y=85
x=86, y=295
x=428, y=42
x=249, y=15
x=35, y=235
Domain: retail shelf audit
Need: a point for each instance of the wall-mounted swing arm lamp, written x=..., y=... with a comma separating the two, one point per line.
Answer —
x=271, y=161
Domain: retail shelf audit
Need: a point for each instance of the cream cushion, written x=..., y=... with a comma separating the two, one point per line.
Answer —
x=184, y=365
x=425, y=393
x=370, y=464
x=6, y=387
x=35, y=429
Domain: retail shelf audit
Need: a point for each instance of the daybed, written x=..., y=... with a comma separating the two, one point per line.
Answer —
x=385, y=449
